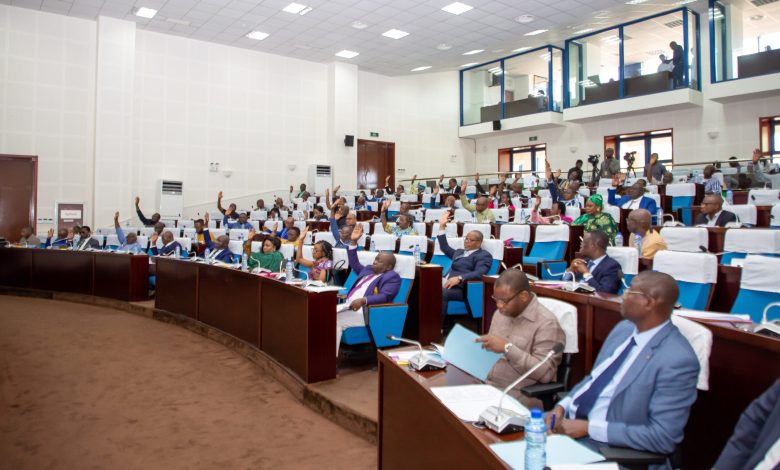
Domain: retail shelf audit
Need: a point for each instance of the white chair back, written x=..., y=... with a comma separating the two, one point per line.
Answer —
x=627, y=256
x=614, y=211
x=774, y=216
x=186, y=243
x=746, y=213
x=462, y=215
x=454, y=243
x=112, y=240
x=186, y=223
x=451, y=230
x=681, y=189
x=383, y=241
x=502, y=214
x=239, y=233
x=652, y=189
x=257, y=247
x=485, y=229
x=760, y=273
x=685, y=238
x=326, y=236
x=395, y=206
x=405, y=266
x=217, y=232
x=258, y=215
x=236, y=247
x=420, y=227
x=764, y=197
x=190, y=233
x=517, y=232
x=573, y=212
x=433, y=215
x=146, y=231
x=552, y=233
x=752, y=240
x=701, y=268
x=287, y=250
x=700, y=339
x=494, y=247
x=566, y=314
x=408, y=242
x=408, y=198
x=143, y=240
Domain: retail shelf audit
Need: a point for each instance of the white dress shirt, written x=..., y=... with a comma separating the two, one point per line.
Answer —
x=632, y=204
x=597, y=419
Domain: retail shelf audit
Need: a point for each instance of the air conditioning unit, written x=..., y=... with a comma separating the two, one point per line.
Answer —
x=170, y=198
x=320, y=179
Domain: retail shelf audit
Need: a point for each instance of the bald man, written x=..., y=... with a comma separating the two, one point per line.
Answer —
x=524, y=331
x=220, y=251
x=640, y=391
x=482, y=214
x=712, y=213
x=649, y=241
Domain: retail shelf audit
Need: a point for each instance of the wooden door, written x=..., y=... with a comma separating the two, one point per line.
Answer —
x=375, y=162
x=18, y=194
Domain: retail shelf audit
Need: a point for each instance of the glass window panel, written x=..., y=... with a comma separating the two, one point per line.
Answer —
x=504, y=163
x=663, y=147
x=637, y=146
x=525, y=83
x=649, y=64
x=594, y=68
x=747, y=39
x=482, y=94
x=692, y=69
x=557, y=80
x=521, y=161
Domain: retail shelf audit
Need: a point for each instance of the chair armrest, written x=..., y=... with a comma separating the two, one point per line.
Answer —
x=384, y=305
x=540, y=390
x=623, y=455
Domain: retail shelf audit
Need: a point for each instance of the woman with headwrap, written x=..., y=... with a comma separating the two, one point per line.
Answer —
x=595, y=219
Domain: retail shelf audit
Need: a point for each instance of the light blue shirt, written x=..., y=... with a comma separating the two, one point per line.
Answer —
x=231, y=225
x=712, y=185
x=134, y=248
x=597, y=419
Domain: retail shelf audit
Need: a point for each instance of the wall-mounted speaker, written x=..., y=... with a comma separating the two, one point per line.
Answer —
x=349, y=140
x=496, y=125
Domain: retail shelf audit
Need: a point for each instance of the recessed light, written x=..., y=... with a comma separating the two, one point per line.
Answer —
x=395, y=34
x=524, y=19
x=470, y=64
x=457, y=8
x=258, y=35
x=636, y=2
x=144, y=12
x=538, y=31
x=475, y=51
x=347, y=54
x=583, y=31
x=684, y=2
x=443, y=47
x=756, y=17
x=359, y=25
x=297, y=9
x=420, y=69
x=522, y=49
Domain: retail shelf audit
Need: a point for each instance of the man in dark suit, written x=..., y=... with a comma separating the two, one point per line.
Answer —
x=677, y=61
x=598, y=270
x=641, y=388
x=86, y=241
x=469, y=263
x=169, y=244
x=633, y=198
x=756, y=434
x=712, y=213
x=375, y=284
x=219, y=250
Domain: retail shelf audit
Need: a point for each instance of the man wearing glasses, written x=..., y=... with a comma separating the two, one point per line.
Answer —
x=524, y=331
x=641, y=388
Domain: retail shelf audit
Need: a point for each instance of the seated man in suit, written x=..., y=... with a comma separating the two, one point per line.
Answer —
x=712, y=213
x=241, y=222
x=524, y=331
x=28, y=238
x=375, y=284
x=404, y=210
x=633, y=197
x=219, y=250
x=449, y=202
x=650, y=242
x=169, y=244
x=756, y=439
x=147, y=222
x=482, y=214
x=469, y=263
x=86, y=241
x=641, y=388
x=61, y=241
x=127, y=243
x=452, y=186
x=599, y=271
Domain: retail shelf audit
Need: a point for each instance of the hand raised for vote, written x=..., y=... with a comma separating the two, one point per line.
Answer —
x=558, y=173
x=251, y=234
x=302, y=236
x=336, y=190
x=441, y=178
x=387, y=179
x=493, y=191
x=206, y=219
x=357, y=232
x=537, y=203
x=444, y=219
x=137, y=201
x=436, y=191
x=386, y=205
x=276, y=227
x=219, y=195
x=291, y=188
x=463, y=187
x=228, y=211
x=492, y=343
x=51, y=233
x=116, y=216
x=476, y=176
x=153, y=237
x=357, y=304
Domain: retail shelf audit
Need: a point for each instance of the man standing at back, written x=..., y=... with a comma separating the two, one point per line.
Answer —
x=677, y=61
x=468, y=264
x=610, y=166
x=643, y=384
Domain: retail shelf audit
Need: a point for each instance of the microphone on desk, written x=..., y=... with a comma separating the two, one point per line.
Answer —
x=421, y=362
x=769, y=328
x=704, y=249
x=503, y=421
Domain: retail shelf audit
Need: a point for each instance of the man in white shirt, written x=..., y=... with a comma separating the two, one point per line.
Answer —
x=643, y=384
x=712, y=213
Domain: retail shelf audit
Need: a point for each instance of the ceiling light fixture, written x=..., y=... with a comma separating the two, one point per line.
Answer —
x=636, y=2
x=475, y=51
x=347, y=54
x=359, y=25
x=583, y=31
x=395, y=34
x=470, y=64
x=443, y=47
x=420, y=69
x=457, y=8
x=144, y=12
x=538, y=31
x=524, y=19
x=756, y=17
x=522, y=49
x=258, y=35
x=297, y=9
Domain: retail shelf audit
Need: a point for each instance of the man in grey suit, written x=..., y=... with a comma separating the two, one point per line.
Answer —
x=642, y=386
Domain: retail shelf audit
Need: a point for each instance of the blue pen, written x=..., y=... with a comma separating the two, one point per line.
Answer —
x=552, y=423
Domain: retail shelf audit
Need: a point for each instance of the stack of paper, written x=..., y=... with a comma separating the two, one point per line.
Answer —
x=713, y=316
x=561, y=450
x=468, y=401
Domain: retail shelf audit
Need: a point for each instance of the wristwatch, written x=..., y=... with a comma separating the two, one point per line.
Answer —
x=506, y=347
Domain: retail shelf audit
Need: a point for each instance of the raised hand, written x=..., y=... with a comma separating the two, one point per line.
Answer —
x=116, y=216
x=357, y=232
x=615, y=181
x=336, y=190
x=386, y=205
x=537, y=203
x=436, y=190
x=219, y=196
x=441, y=178
x=302, y=237
x=51, y=232
x=558, y=173
x=206, y=219
x=327, y=193
x=463, y=187
x=137, y=201
x=414, y=177
x=251, y=234
x=276, y=226
x=502, y=178
x=622, y=177
x=493, y=191
x=444, y=219
x=153, y=238
x=228, y=211
x=291, y=188
x=476, y=176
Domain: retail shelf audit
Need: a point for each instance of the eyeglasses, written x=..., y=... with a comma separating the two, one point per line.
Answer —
x=628, y=292
x=504, y=302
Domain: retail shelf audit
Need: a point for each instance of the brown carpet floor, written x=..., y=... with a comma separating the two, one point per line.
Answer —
x=91, y=387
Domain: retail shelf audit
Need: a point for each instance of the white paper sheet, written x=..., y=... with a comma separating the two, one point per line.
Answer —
x=561, y=450
x=468, y=401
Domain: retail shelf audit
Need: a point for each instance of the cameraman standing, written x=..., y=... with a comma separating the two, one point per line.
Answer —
x=610, y=166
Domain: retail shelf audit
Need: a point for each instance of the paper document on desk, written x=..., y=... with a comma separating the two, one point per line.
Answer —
x=342, y=307
x=561, y=450
x=713, y=316
x=322, y=288
x=463, y=352
x=468, y=401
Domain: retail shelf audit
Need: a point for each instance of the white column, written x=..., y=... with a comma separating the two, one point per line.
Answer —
x=342, y=120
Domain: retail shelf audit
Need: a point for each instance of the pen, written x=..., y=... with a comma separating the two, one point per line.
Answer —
x=552, y=423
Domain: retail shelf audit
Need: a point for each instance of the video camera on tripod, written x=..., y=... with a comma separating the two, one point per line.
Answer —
x=594, y=161
x=630, y=158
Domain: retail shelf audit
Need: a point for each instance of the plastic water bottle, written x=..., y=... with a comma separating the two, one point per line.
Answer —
x=206, y=254
x=659, y=217
x=730, y=197
x=373, y=245
x=535, y=442
x=619, y=239
x=417, y=258
x=288, y=272
x=178, y=251
x=244, y=261
x=638, y=243
x=76, y=240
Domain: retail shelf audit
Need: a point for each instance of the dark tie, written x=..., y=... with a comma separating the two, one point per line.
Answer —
x=586, y=401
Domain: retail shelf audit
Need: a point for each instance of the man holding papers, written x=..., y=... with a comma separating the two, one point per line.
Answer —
x=524, y=331
x=642, y=386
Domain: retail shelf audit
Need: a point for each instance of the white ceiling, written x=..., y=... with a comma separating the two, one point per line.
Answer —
x=327, y=29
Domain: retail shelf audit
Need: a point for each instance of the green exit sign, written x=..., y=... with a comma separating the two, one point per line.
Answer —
x=374, y=134
x=533, y=138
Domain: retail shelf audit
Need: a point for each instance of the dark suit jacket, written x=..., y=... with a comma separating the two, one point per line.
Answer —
x=724, y=218
x=677, y=58
x=756, y=432
x=169, y=250
x=644, y=202
x=225, y=256
x=91, y=244
x=469, y=268
x=380, y=291
x=605, y=277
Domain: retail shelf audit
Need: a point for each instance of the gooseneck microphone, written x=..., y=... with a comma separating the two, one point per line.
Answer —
x=421, y=362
